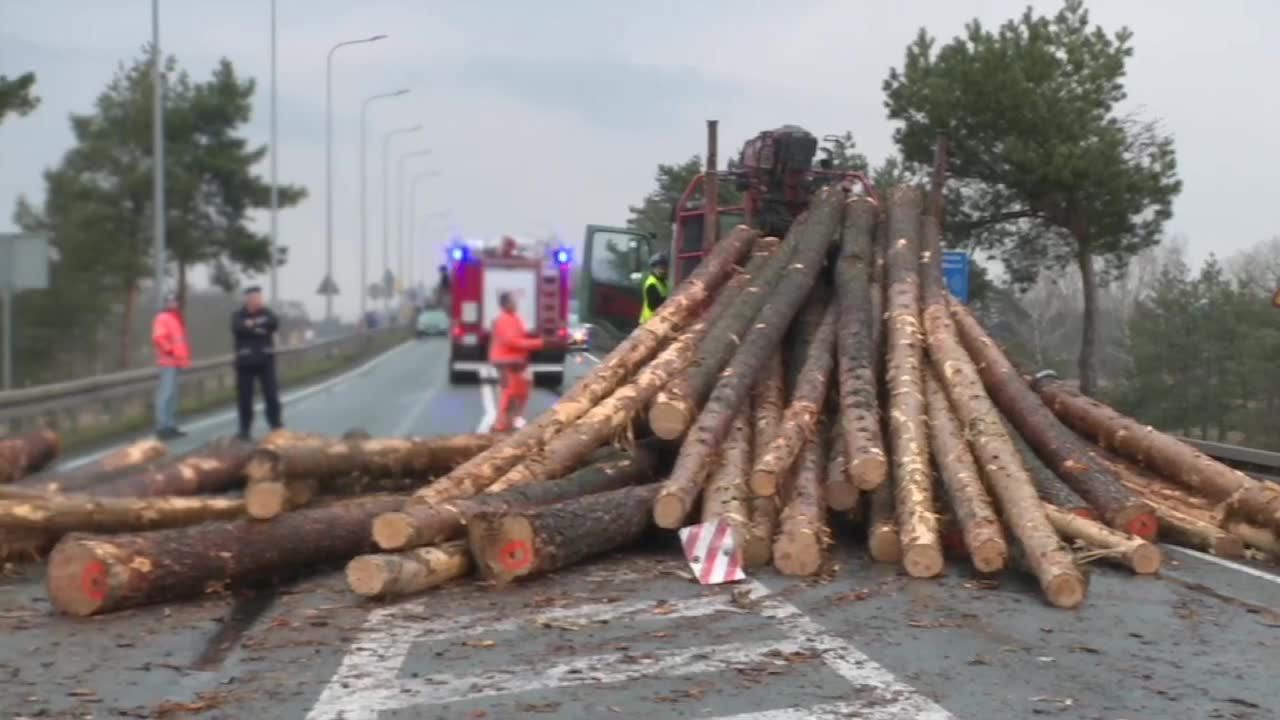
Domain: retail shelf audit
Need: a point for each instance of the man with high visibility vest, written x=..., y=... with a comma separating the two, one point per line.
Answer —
x=655, y=289
x=509, y=352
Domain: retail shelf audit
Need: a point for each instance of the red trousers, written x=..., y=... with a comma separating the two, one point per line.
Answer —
x=515, y=384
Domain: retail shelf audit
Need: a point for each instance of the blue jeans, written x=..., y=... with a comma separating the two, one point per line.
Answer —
x=167, y=399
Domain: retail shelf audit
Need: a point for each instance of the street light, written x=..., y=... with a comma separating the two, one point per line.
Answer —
x=364, y=193
x=413, y=220
x=328, y=171
x=157, y=156
x=275, y=153
x=400, y=208
x=386, y=206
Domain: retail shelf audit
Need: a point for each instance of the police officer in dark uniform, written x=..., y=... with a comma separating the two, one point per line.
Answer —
x=254, y=327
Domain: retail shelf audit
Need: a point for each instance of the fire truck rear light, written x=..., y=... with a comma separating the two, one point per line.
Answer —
x=457, y=331
x=563, y=333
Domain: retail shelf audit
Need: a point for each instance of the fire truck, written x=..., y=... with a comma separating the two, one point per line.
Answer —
x=536, y=275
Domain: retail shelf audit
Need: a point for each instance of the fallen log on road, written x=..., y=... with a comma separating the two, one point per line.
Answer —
x=1132, y=551
x=727, y=495
x=217, y=467
x=767, y=399
x=24, y=454
x=70, y=513
x=803, y=535
x=389, y=575
x=85, y=476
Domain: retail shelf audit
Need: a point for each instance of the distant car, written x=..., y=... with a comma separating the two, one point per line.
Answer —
x=432, y=322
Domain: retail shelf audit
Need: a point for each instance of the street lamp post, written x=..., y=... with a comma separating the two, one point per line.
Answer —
x=328, y=170
x=364, y=194
x=413, y=220
x=400, y=270
x=157, y=156
x=275, y=153
x=386, y=206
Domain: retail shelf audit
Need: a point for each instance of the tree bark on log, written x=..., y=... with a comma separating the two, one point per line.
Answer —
x=1262, y=539
x=1006, y=476
x=391, y=575
x=1060, y=448
x=676, y=406
x=638, y=348
x=1188, y=531
x=814, y=232
x=803, y=535
x=1156, y=489
x=24, y=454
x=91, y=574
x=859, y=405
x=908, y=430
x=217, y=467
x=841, y=494
x=727, y=495
x=883, y=543
x=85, y=476
x=70, y=513
x=767, y=400
x=416, y=525
x=800, y=419
x=23, y=545
x=1132, y=551
x=512, y=544
x=975, y=515
x=1048, y=485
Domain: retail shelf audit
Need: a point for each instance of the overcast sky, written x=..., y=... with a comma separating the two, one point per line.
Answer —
x=546, y=116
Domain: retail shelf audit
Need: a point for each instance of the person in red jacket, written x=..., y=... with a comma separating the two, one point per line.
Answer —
x=173, y=355
x=509, y=351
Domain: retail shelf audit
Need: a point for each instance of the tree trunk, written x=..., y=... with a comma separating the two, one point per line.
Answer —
x=217, y=467
x=69, y=513
x=1088, y=364
x=390, y=575
x=182, y=285
x=1061, y=449
x=1256, y=502
x=521, y=543
x=859, y=406
x=727, y=496
x=85, y=476
x=1155, y=488
x=1133, y=552
x=767, y=399
x=841, y=495
x=417, y=525
x=677, y=405
x=93, y=574
x=803, y=535
x=25, y=454
x=1263, y=539
x=814, y=232
x=971, y=505
x=682, y=307
x=800, y=420
x=883, y=542
x=1180, y=528
x=908, y=429
x=1006, y=476
x=1050, y=488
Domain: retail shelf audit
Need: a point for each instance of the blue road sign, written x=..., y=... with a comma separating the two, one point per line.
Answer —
x=955, y=273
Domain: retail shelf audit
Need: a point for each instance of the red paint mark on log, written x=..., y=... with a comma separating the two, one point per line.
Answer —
x=93, y=580
x=516, y=556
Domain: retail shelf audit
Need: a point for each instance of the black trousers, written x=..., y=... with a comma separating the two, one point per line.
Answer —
x=265, y=375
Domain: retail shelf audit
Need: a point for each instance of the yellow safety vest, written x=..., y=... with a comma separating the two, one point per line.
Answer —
x=647, y=312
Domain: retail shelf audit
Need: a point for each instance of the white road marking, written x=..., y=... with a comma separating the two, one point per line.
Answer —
x=1260, y=574
x=411, y=418
x=830, y=711
x=593, y=358
x=288, y=398
x=487, y=375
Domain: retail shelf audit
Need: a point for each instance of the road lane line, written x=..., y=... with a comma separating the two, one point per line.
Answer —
x=289, y=398
x=830, y=711
x=1260, y=574
x=411, y=417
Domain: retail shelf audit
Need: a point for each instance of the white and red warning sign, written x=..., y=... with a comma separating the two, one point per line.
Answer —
x=712, y=552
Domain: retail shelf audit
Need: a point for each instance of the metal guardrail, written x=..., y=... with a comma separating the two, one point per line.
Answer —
x=89, y=403
x=1258, y=462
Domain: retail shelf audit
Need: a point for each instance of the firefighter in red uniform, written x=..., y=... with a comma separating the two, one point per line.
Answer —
x=509, y=352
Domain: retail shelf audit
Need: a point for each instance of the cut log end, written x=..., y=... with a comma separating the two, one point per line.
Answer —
x=989, y=556
x=764, y=483
x=669, y=420
x=841, y=496
x=393, y=530
x=371, y=575
x=797, y=554
x=670, y=511
x=1145, y=559
x=265, y=500
x=757, y=551
x=1065, y=590
x=922, y=560
x=78, y=580
x=1140, y=521
x=884, y=545
x=868, y=472
x=505, y=550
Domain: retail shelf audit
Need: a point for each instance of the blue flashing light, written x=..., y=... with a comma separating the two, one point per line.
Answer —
x=563, y=256
x=458, y=253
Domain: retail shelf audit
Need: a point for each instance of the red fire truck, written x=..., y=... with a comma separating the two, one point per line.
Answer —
x=536, y=275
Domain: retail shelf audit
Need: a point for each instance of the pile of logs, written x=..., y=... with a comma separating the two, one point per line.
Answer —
x=789, y=389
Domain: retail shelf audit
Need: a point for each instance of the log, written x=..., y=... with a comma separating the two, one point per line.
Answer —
x=389, y=575
x=859, y=411
x=1131, y=551
x=23, y=545
x=1182, y=529
x=974, y=513
x=1049, y=486
x=24, y=454
x=91, y=574
x=800, y=419
x=883, y=542
x=512, y=544
x=677, y=405
x=217, y=467
x=727, y=496
x=841, y=494
x=70, y=513
x=1062, y=450
x=1005, y=474
x=638, y=348
x=1155, y=488
x=767, y=399
x=908, y=430
x=814, y=232
x=86, y=475
x=1263, y=539
x=417, y=525
x=1244, y=497
x=803, y=535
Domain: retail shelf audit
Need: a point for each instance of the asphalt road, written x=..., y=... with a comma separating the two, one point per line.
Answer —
x=632, y=636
